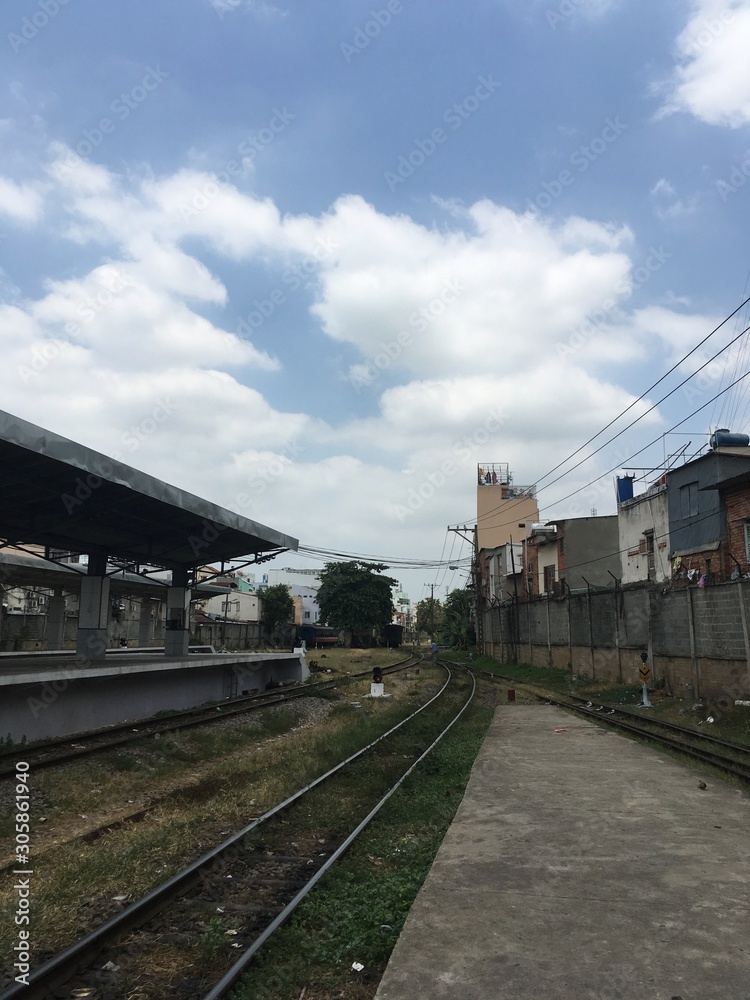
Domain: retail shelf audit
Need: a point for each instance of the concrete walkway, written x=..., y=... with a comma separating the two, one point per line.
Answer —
x=581, y=866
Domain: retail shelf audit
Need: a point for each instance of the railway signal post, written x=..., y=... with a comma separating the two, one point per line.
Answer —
x=377, y=688
x=645, y=671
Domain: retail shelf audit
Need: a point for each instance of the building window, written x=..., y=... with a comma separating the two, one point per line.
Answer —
x=561, y=545
x=307, y=614
x=689, y=500
x=549, y=579
x=747, y=541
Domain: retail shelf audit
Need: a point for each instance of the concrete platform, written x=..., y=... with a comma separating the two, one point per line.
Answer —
x=581, y=866
x=46, y=696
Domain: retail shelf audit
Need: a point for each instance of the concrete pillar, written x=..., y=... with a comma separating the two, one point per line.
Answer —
x=693, y=656
x=177, y=625
x=56, y=619
x=93, y=614
x=145, y=624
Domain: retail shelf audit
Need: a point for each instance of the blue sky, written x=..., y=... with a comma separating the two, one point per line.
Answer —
x=306, y=254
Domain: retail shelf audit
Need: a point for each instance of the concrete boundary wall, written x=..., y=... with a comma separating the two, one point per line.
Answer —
x=697, y=639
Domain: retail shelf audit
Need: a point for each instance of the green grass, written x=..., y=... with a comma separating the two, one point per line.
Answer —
x=730, y=722
x=81, y=878
x=359, y=908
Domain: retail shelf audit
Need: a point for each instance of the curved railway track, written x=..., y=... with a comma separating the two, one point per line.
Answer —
x=61, y=749
x=725, y=755
x=248, y=886
x=732, y=758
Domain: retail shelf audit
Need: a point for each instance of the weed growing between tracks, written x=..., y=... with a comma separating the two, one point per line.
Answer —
x=731, y=723
x=358, y=910
x=223, y=784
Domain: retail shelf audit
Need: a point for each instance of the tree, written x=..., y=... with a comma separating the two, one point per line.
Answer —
x=353, y=595
x=278, y=607
x=430, y=616
x=458, y=630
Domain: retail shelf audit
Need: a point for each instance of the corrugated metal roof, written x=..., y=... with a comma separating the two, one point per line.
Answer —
x=59, y=493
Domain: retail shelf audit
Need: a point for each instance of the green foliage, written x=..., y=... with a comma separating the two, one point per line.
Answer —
x=214, y=941
x=278, y=606
x=430, y=616
x=458, y=630
x=354, y=595
x=358, y=910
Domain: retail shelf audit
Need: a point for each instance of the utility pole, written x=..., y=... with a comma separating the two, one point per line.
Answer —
x=473, y=538
x=432, y=609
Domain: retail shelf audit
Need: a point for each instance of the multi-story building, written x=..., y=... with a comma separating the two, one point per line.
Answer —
x=576, y=552
x=504, y=510
x=697, y=506
x=643, y=527
x=501, y=571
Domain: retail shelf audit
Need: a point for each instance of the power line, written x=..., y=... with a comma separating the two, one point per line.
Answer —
x=635, y=402
x=646, y=391
x=392, y=561
x=635, y=454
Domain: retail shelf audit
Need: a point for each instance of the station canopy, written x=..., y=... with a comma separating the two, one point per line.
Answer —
x=59, y=494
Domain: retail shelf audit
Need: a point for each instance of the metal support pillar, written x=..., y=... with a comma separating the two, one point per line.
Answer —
x=177, y=625
x=93, y=616
x=145, y=623
x=56, y=620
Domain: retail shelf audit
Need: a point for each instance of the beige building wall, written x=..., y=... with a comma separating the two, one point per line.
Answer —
x=499, y=518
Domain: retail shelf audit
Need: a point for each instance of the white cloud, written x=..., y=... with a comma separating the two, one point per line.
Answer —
x=668, y=205
x=118, y=357
x=712, y=78
x=21, y=202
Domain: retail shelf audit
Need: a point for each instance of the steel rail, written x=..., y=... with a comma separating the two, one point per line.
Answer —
x=60, y=967
x=673, y=727
x=683, y=730
x=733, y=767
x=184, y=719
x=230, y=978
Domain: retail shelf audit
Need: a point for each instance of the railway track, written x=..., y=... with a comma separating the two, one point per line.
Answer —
x=731, y=758
x=725, y=755
x=61, y=749
x=243, y=890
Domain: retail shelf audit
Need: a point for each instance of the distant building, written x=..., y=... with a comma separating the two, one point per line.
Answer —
x=572, y=552
x=643, y=528
x=504, y=510
x=698, y=522
x=502, y=572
